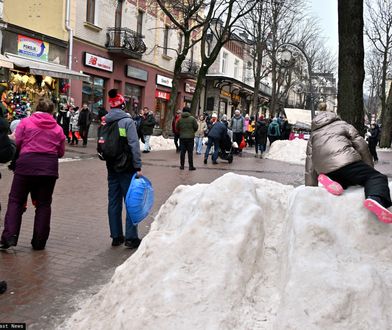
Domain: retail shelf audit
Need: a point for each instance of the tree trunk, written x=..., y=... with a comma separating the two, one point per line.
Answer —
x=351, y=63
x=199, y=87
x=386, y=131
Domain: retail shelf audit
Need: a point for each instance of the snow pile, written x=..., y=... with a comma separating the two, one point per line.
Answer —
x=275, y=257
x=293, y=151
x=159, y=143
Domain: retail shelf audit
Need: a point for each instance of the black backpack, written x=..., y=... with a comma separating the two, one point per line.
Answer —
x=113, y=148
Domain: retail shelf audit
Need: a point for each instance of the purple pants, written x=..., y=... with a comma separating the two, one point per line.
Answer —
x=41, y=190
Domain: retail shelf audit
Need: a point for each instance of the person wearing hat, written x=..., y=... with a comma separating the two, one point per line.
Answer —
x=187, y=127
x=119, y=178
x=237, y=127
x=215, y=135
x=147, y=128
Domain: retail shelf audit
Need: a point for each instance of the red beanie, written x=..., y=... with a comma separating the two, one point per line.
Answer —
x=117, y=101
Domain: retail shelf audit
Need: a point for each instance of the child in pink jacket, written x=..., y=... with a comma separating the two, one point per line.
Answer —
x=40, y=142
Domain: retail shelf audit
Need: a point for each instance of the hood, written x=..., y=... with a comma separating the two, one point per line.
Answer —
x=115, y=114
x=324, y=118
x=185, y=115
x=43, y=120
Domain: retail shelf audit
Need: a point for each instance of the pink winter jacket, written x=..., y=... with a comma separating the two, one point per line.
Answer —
x=40, y=133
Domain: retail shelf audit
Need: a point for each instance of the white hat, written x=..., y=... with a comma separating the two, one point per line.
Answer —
x=214, y=115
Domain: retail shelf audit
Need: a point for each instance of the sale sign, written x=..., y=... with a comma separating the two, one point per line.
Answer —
x=34, y=48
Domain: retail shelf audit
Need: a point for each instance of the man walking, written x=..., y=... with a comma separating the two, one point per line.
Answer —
x=237, y=127
x=120, y=172
x=85, y=118
x=187, y=127
x=147, y=127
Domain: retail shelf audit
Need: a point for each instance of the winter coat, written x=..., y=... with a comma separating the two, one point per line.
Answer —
x=7, y=146
x=147, y=124
x=276, y=126
x=333, y=144
x=73, y=121
x=187, y=126
x=127, y=129
x=202, y=128
x=237, y=124
x=374, y=135
x=218, y=131
x=40, y=133
x=174, y=122
x=85, y=118
x=261, y=132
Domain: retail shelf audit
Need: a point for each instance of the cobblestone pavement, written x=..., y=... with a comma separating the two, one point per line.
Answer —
x=45, y=286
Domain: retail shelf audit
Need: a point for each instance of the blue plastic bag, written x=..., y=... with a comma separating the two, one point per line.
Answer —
x=139, y=199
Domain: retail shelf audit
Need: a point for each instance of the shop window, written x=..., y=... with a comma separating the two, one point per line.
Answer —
x=90, y=16
x=165, y=40
x=93, y=94
x=139, y=27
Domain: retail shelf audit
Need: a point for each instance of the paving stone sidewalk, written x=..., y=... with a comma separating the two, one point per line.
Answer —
x=45, y=286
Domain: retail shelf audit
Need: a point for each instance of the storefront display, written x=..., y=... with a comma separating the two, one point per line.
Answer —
x=93, y=93
x=133, y=95
x=162, y=99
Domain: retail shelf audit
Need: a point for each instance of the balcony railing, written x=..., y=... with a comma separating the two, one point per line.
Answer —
x=190, y=68
x=125, y=42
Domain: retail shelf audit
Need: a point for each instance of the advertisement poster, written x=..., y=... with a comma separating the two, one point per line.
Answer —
x=33, y=48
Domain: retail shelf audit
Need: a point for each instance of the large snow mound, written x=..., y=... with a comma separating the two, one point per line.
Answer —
x=290, y=151
x=159, y=143
x=247, y=253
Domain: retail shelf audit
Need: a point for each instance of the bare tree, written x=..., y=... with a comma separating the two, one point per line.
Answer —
x=373, y=67
x=187, y=18
x=224, y=23
x=379, y=31
x=351, y=62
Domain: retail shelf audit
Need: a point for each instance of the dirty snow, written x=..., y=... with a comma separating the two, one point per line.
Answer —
x=159, y=143
x=293, y=151
x=277, y=258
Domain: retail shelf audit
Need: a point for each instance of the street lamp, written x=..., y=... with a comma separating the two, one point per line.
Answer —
x=287, y=55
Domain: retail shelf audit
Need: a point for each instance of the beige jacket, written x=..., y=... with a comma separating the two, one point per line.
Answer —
x=201, y=129
x=333, y=144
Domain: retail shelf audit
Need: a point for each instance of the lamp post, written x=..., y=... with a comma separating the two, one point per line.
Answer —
x=287, y=55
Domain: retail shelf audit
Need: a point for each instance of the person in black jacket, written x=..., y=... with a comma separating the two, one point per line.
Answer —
x=85, y=119
x=7, y=146
x=260, y=136
x=373, y=137
x=216, y=133
x=147, y=127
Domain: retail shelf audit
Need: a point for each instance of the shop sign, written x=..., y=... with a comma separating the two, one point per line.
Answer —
x=136, y=73
x=164, y=81
x=226, y=94
x=98, y=62
x=189, y=88
x=34, y=48
x=234, y=97
x=162, y=95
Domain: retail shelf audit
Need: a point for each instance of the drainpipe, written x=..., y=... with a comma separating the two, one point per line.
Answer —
x=70, y=43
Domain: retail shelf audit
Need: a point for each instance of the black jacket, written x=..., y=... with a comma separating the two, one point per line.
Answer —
x=261, y=132
x=7, y=147
x=147, y=124
x=85, y=118
x=218, y=131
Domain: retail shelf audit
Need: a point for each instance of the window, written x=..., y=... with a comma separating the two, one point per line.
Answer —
x=90, y=15
x=165, y=40
x=93, y=93
x=224, y=62
x=139, y=27
x=236, y=68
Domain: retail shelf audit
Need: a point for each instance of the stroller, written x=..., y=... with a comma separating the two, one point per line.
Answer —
x=226, y=147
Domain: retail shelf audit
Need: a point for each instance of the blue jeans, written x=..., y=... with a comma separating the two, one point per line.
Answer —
x=199, y=144
x=147, y=146
x=118, y=184
x=215, y=142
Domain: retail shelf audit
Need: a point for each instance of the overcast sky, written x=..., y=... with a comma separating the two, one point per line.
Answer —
x=327, y=11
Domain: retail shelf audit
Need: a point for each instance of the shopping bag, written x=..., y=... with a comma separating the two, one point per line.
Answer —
x=242, y=144
x=139, y=199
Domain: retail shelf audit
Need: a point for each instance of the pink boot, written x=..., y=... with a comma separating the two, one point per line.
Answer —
x=380, y=211
x=332, y=187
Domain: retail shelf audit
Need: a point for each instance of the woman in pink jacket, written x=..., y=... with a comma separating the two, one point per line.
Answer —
x=40, y=142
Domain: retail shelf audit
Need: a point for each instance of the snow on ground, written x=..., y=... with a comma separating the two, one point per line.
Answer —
x=384, y=149
x=274, y=257
x=293, y=151
x=159, y=143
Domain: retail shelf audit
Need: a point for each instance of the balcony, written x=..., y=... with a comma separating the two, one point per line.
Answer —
x=125, y=42
x=189, y=69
